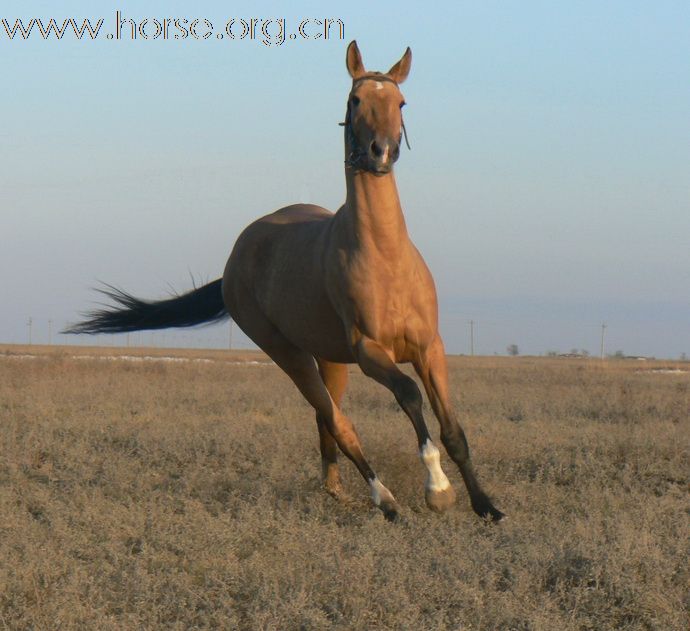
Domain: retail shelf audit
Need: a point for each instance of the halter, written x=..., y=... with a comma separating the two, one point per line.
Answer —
x=357, y=153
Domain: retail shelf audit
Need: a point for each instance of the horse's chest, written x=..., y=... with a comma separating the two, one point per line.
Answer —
x=379, y=300
x=383, y=315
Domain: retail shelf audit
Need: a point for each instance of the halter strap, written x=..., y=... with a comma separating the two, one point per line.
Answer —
x=382, y=78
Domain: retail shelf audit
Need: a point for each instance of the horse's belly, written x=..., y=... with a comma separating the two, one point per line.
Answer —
x=314, y=326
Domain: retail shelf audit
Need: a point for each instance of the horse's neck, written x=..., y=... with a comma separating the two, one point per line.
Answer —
x=375, y=215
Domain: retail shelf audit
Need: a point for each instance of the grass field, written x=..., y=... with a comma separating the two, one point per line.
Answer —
x=159, y=494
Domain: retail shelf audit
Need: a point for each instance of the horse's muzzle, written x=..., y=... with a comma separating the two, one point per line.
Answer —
x=382, y=155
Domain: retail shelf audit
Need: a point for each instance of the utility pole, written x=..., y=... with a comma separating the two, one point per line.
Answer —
x=230, y=336
x=30, y=325
x=603, y=331
x=50, y=332
x=472, y=337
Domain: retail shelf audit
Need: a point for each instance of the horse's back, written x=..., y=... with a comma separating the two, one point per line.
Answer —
x=289, y=236
x=296, y=214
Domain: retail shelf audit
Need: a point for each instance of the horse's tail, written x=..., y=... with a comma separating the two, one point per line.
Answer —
x=199, y=306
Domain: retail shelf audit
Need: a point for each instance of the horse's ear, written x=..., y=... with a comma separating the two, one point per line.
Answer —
x=400, y=70
x=353, y=60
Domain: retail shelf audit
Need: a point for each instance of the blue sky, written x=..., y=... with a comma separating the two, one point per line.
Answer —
x=548, y=184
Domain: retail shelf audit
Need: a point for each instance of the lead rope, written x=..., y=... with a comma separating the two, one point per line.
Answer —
x=355, y=154
x=402, y=123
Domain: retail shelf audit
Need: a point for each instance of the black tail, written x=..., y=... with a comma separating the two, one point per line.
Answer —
x=199, y=306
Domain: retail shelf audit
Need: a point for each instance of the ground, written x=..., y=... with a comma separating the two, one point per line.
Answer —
x=159, y=494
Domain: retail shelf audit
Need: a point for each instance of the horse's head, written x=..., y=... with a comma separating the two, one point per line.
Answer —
x=374, y=124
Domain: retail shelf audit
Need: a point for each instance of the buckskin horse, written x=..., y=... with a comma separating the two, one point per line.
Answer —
x=318, y=290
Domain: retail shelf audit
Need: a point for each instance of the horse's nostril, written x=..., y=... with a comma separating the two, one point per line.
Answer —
x=376, y=149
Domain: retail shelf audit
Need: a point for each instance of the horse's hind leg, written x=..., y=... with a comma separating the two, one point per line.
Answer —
x=300, y=366
x=334, y=377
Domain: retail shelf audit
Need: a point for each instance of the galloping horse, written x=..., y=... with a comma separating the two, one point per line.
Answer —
x=318, y=290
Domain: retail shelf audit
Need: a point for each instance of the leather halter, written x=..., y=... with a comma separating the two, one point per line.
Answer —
x=357, y=152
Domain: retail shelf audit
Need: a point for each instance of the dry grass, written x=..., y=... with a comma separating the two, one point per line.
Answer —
x=160, y=495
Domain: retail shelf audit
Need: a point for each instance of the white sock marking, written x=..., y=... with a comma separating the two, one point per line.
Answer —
x=431, y=457
x=380, y=492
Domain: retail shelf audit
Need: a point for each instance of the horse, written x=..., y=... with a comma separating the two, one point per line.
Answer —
x=317, y=290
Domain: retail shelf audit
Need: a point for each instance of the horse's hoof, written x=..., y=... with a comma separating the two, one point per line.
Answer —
x=384, y=500
x=337, y=492
x=440, y=501
x=494, y=515
x=391, y=511
x=484, y=508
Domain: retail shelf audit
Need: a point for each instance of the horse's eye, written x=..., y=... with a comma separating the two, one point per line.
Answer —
x=355, y=101
x=402, y=104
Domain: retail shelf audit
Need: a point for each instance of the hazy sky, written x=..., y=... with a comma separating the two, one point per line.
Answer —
x=548, y=184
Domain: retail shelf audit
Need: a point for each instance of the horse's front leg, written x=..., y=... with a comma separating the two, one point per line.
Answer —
x=375, y=363
x=433, y=371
